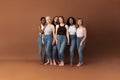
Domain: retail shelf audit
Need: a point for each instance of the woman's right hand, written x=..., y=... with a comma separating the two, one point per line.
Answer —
x=56, y=41
x=42, y=41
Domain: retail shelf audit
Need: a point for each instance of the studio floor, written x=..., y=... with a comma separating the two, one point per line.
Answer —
x=94, y=68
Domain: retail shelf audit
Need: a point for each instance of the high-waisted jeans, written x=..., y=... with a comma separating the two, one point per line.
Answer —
x=80, y=48
x=48, y=45
x=40, y=47
x=61, y=46
x=72, y=46
x=54, y=51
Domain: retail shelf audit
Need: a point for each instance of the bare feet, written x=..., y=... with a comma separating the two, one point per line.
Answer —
x=79, y=64
x=61, y=64
x=54, y=63
x=46, y=62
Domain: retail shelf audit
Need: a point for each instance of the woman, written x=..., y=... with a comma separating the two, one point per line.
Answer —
x=72, y=32
x=41, y=29
x=81, y=38
x=54, y=49
x=48, y=39
x=61, y=40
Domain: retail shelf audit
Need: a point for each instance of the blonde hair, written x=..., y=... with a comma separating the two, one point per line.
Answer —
x=47, y=17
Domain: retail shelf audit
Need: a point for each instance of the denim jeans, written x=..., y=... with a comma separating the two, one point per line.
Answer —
x=72, y=46
x=54, y=51
x=80, y=48
x=48, y=45
x=40, y=47
x=61, y=46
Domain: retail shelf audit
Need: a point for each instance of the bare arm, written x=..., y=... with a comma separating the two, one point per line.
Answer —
x=67, y=34
x=56, y=33
x=39, y=29
x=85, y=35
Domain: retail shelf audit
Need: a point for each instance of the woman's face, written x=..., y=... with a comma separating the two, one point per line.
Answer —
x=56, y=19
x=79, y=22
x=43, y=21
x=71, y=21
x=60, y=20
x=48, y=20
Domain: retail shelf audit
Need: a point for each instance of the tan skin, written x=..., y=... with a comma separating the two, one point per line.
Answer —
x=84, y=34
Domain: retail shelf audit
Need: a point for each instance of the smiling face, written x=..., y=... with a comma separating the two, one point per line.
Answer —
x=48, y=20
x=80, y=22
x=43, y=21
x=71, y=21
x=61, y=20
x=56, y=19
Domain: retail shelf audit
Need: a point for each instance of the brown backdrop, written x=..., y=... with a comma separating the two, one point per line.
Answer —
x=19, y=20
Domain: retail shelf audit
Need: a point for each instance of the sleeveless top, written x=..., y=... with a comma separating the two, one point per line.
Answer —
x=80, y=32
x=61, y=30
x=72, y=30
x=48, y=30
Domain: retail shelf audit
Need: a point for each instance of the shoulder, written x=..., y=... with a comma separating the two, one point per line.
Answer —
x=84, y=28
x=52, y=25
x=57, y=26
x=66, y=26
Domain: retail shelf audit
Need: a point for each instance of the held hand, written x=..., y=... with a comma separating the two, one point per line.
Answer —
x=53, y=42
x=68, y=43
x=42, y=41
x=56, y=42
x=80, y=44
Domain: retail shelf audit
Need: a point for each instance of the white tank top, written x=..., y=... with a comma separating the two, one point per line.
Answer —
x=72, y=30
x=80, y=32
x=42, y=27
x=48, y=30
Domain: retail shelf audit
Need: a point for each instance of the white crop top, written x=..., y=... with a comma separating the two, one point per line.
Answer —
x=80, y=32
x=72, y=30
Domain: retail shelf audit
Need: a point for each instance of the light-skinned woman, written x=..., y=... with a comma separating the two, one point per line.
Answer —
x=61, y=39
x=81, y=40
x=49, y=37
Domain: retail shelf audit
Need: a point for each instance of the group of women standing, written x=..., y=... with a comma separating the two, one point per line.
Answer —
x=55, y=34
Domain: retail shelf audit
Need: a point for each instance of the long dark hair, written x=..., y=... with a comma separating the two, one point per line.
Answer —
x=68, y=21
x=53, y=22
x=42, y=18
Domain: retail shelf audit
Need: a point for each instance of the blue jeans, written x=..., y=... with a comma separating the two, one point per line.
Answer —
x=48, y=45
x=61, y=46
x=72, y=46
x=54, y=51
x=80, y=48
x=40, y=47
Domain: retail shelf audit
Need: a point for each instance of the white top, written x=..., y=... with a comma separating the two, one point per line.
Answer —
x=80, y=32
x=42, y=27
x=48, y=30
x=72, y=30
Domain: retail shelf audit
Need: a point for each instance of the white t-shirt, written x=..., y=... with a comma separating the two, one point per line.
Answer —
x=72, y=30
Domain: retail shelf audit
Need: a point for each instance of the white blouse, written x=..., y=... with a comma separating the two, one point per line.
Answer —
x=80, y=32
